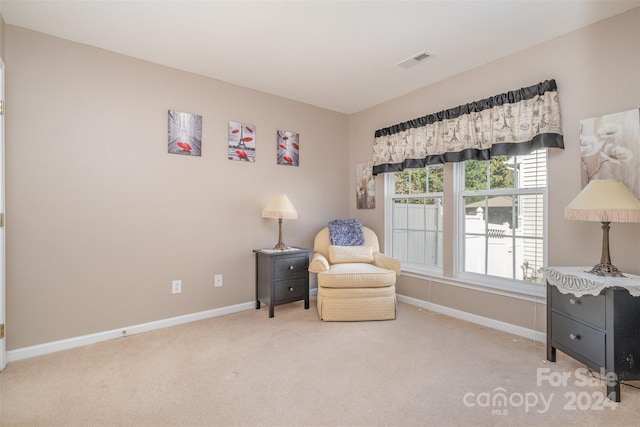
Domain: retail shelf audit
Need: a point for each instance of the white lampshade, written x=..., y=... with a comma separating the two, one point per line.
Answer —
x=605, y=200
x=280, y=207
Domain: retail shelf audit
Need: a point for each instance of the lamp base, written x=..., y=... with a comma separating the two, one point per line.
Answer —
x=607, y=269
x=280, y=246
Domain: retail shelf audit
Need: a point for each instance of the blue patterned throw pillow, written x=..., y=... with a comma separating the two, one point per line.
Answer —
x=346, y=232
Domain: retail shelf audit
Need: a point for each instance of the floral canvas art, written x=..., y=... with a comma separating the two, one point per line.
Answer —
x=288, y=152
x=610, y=148
x=242, y=142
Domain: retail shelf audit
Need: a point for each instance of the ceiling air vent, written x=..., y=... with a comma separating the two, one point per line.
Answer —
x=414, y=60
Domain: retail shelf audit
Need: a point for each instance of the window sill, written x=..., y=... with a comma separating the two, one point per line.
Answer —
x=534, y=292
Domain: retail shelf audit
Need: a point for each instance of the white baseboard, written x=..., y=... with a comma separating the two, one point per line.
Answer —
x=66, y=344
x=474, y=318
x=52, y=347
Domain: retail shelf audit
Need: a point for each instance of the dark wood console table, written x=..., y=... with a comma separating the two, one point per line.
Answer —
x=595, y=320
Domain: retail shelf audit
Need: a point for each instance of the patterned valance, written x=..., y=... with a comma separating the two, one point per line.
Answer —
x=512, y=123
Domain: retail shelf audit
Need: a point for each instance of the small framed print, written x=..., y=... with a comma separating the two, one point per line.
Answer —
x=365, y=186
x=288, y=152
x=184, y=133
x=242, y=142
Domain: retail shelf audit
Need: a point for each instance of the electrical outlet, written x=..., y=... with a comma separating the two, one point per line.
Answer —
x=218, y=280
x=176, y=286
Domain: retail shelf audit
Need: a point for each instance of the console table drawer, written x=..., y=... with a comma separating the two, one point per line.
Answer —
x=579, y=338
x=290, y=267
x=589, y=308
x=293, y=288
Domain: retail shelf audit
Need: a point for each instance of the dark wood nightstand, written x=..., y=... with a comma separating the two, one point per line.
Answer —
x=595, y=320
x=282, y=277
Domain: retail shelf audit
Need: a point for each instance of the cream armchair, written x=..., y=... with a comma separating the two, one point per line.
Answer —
x=354, y=282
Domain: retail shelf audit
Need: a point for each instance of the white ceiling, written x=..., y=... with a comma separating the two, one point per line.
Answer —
x=339, y=55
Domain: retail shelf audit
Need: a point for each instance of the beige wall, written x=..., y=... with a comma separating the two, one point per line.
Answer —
x=2, y=30
x=597, y=70
x=101, y=219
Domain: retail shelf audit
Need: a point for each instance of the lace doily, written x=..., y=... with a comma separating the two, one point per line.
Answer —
x=578, y=281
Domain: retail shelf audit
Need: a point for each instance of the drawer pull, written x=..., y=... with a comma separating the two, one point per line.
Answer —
x=290, y=288
x=574, y=337
x=574, y=301
x=291, y=267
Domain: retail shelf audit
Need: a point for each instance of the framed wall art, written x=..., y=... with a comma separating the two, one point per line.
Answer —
x=365, y=186
x=610, y=148
x=242, y=142
x=185, y=133
x=288, y=151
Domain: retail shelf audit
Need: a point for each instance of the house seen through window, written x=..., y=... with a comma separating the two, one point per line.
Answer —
x=500, y=227
x=502, y=230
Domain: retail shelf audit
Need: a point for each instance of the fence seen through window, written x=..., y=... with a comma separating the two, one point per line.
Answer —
x=501, y=227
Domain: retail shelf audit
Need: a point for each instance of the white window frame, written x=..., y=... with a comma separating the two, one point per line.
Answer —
x=420, y=269
x=493, y=284
x=497, y=282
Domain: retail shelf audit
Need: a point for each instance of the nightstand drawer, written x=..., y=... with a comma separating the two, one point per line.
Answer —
x=579, y=338
x=287, y=289
x=290, y=267
x=589, y=308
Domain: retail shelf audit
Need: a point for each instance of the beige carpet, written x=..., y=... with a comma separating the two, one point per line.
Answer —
x=244, y=369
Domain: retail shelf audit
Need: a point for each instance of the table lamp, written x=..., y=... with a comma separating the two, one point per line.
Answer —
x=607, y=201
x=280, y=208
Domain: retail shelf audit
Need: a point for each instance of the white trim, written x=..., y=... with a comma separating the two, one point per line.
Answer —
x=3, y=246
x=388, y=226
x=459, y=216
x=474, y=318
x=537, y=294
x=54, y=346
x=66, y=344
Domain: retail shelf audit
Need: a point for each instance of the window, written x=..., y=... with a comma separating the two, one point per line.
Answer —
x=499, y=231
x=502, y=219
x=415, y=216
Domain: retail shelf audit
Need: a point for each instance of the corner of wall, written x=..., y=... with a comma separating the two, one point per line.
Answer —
x=2, y=27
